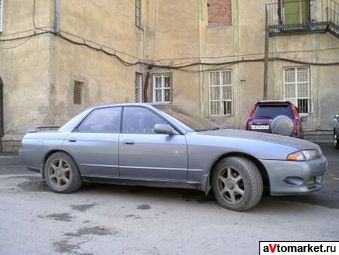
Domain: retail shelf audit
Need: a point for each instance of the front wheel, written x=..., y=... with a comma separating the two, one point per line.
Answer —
x=237, y=183
x=62, y=174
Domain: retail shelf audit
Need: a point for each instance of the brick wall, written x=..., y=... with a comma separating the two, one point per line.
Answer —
x=219, y=12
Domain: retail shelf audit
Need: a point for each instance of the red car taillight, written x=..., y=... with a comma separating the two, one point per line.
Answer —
x=297, y=128
x=250, y=118
x=295, y=113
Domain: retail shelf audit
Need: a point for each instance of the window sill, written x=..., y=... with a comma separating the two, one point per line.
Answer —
x=218, y=26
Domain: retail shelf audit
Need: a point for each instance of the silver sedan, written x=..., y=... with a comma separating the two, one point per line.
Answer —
x=163, y=145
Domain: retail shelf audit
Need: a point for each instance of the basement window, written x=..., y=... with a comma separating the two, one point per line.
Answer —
x=77, y=92
x=219, y=12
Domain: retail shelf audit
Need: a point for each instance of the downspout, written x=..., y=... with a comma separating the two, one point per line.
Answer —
x=266, y=55
x=57, y=17
x=1, y=112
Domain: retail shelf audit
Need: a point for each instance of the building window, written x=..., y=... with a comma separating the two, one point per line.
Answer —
x=138, y=13
x=162, y=88
x=1, y=15
x=220, y=93
x=219, y=12
x=294, y=12
x=138, y=87
x=77, y=92
x=297, y=87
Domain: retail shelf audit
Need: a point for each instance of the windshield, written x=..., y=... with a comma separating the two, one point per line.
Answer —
x=191, y=120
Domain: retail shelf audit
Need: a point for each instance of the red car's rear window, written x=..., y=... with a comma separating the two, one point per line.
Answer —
x=273, y=110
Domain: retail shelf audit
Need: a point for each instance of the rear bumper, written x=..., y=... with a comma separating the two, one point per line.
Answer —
x=292, y=178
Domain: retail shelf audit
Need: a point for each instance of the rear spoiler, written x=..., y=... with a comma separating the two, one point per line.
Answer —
x=36, y=129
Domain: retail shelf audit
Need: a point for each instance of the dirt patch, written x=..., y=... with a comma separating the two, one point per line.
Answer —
x=99, y=231
x=34, y=184
x=83, y=207
x=59, y=216
x=144, y=207
x=64, y=246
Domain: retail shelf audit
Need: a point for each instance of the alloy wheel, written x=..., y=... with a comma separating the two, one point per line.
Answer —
x=231, y=185
x=59, y=173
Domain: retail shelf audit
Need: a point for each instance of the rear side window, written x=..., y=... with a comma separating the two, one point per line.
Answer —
x=272, y=111
x=104, y=120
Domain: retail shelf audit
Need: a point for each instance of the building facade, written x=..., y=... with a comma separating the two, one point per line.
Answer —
x=59, y=57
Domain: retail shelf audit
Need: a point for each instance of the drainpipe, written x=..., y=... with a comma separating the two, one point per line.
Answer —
x=57, y=17
x=1, y=111
x=266, y=54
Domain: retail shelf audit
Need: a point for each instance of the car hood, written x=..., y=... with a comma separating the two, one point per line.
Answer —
x=264, y=137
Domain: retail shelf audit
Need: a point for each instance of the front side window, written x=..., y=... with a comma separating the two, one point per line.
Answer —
x=104, y=120
x=139, y=120
x=162, y=88
x=220, y=93
x=297, y=88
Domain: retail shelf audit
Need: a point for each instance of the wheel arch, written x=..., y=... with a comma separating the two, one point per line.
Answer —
x=48, y=154
x=258, y=164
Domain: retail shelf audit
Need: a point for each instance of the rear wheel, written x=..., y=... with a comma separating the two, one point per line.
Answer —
x=237, y=183
x=62, y=174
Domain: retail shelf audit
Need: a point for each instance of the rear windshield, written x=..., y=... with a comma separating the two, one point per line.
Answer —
x=272, y=111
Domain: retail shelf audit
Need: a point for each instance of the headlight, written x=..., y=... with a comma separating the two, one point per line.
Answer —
x=303, y=155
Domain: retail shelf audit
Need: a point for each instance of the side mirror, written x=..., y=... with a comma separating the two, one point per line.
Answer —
x=303, y=119
x=163, y=129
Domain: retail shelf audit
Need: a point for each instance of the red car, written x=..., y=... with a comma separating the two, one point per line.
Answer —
x=275, y=116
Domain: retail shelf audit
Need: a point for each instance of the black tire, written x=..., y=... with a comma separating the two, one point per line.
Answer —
x=62, y=174
x=335, y=140
x=250, y=183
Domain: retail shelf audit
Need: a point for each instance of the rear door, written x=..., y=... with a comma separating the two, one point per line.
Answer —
x=94, y=143
x=145, y=155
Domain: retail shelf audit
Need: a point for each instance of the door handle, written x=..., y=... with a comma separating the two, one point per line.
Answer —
x=128, y=142
x=72, y=139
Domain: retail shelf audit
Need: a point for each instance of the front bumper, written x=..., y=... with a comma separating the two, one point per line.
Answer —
x=295, y=177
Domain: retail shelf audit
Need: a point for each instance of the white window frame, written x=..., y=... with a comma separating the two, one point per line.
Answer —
x=138, y=87
x=1, y=16
x=162, y=88
x=295, y=99
x=220, y=100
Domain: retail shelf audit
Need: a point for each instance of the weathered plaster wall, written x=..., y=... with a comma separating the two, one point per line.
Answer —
x=24, y=68
x=105, y=79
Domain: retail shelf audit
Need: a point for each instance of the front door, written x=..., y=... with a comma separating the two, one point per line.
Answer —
x=94, y=144
x=145, y=155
